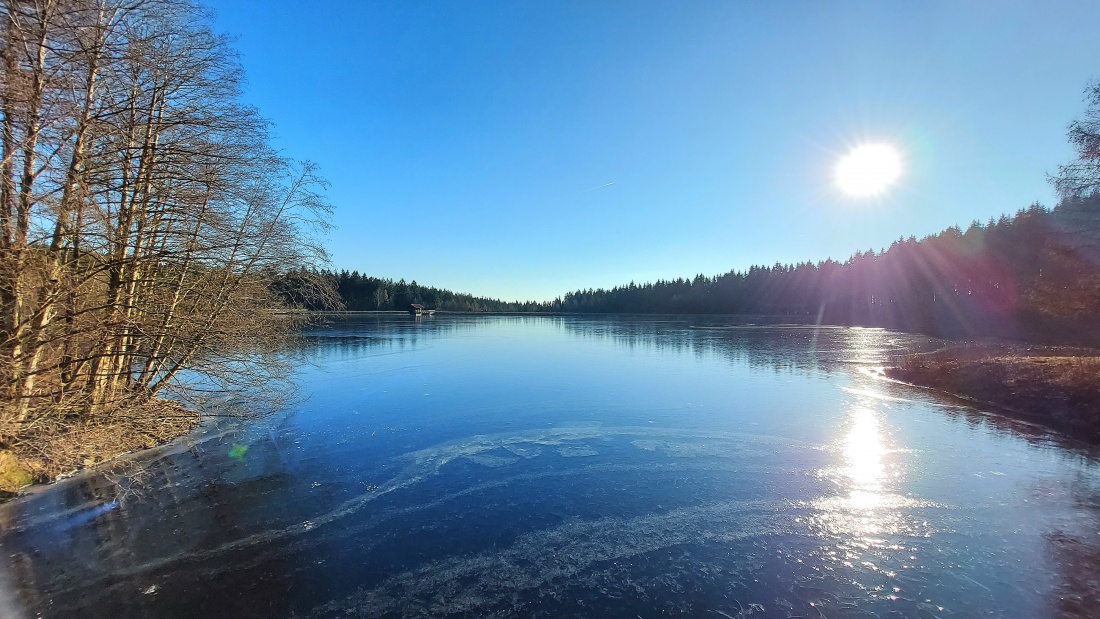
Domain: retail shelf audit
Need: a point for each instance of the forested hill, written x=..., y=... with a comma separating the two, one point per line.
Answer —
x=359, y=292
x=1034, y=276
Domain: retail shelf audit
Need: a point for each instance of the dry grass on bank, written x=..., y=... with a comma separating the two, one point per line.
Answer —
x=1056, y=386
x=59, y=449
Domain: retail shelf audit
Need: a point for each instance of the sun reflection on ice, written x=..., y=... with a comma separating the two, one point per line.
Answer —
x=864, y=523
x=863, y=452
x=867, y=507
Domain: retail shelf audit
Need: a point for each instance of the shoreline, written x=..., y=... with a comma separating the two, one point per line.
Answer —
x=1057, y=388
x=51, y=456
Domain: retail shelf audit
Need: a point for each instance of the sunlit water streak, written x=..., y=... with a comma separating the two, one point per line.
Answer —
x=549, y=467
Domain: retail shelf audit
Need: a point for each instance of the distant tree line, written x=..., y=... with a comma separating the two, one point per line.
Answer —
x=1035, y=275
x=363, y=293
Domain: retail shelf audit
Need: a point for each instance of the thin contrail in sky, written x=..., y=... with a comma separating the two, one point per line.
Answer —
x=600, y=187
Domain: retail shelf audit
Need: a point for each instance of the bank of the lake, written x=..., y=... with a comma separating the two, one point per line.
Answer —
x=57, y=450
x=1058, y=387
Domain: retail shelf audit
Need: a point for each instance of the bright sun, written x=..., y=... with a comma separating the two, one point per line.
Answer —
x=868, y=170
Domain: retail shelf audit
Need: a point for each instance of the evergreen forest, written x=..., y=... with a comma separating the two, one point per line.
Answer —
x=1033, y=276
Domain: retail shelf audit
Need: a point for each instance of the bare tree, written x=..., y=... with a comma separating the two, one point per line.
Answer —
x=143, y=213
x=1081, y=178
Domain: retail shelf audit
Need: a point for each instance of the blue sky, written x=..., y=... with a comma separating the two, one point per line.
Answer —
x=471, y=145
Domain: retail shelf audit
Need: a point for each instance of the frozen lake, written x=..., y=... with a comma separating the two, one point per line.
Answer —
x=582, y=467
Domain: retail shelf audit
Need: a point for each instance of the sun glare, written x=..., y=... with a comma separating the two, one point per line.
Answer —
x=868, y=170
